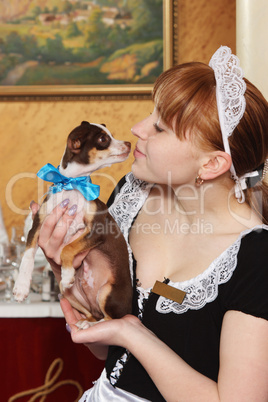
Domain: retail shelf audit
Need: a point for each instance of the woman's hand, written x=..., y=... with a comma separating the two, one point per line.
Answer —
x=52, y=234
x=102, y=334
x=110, y=332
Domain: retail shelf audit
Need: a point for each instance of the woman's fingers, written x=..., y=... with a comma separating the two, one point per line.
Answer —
x=54, y=229
x=57, y=219
x=71, y=315
x=57, y=231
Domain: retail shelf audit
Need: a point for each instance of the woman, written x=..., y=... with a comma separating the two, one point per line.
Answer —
x=194, y=228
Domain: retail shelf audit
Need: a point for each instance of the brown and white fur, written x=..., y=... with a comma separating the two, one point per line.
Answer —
x=99, y=292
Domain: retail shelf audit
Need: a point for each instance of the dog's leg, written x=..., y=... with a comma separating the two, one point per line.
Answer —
x=78, y=306
x=104, y=292
x=22, y=285
x=67, y=255
x=87, y=322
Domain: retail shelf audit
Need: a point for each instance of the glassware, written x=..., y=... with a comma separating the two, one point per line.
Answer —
x=50, y=288
x=8, y=258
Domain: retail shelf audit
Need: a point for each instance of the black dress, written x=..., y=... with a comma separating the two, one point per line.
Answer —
x=236, y=280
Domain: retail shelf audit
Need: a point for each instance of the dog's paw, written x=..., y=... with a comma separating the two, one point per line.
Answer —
x=65, y=285
x=84, y=324
x=67, y=278
x=20, y=292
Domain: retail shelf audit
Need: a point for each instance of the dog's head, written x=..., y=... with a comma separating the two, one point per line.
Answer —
x=90, y=147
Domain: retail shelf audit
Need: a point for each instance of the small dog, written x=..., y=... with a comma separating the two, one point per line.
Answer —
x=98, y=292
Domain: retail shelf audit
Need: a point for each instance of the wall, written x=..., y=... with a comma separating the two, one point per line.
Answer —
x=252, y=28
x=34, y=133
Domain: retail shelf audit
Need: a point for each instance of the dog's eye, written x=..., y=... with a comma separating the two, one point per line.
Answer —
x=104, y=140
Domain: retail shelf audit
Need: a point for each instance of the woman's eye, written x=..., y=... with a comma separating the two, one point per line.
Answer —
x=158, y=129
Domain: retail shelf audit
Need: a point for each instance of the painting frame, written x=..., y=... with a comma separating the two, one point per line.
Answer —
x=103, y=91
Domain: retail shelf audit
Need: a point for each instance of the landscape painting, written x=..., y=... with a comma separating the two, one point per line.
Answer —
x=76, y=46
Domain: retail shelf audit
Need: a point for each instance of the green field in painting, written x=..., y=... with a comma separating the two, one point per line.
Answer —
x=66, y=50
x=41, y=34
x=72, y=74
x=62, y=75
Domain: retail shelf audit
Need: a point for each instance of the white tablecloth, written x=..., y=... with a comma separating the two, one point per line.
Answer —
x=31, y=308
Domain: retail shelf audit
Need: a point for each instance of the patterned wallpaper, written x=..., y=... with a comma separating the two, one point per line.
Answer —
x=34, y=133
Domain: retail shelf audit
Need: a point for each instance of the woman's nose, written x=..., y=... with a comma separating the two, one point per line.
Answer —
x=141, y=129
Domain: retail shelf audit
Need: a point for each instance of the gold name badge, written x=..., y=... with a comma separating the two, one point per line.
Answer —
x=162, y=289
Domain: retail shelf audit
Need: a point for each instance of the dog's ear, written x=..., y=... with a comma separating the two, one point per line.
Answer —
x=85, y=123
x=103, y=124
x=74, y=145
x=77, y=137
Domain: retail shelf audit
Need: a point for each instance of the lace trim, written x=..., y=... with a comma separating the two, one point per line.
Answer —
x=230, y=89
x=231, y=103
x=127, y=204
x=143, y=295
x=118, y=368
x=124, y=209
x=203, y=288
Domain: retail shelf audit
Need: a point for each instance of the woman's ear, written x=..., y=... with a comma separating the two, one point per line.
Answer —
x=214, y=165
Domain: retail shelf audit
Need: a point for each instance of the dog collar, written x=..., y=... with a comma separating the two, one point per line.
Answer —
x=83, y=184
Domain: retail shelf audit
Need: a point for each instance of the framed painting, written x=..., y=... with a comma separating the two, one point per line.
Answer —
x=66, y=48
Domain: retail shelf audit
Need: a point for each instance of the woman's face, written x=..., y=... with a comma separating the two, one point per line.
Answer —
x=160, y=156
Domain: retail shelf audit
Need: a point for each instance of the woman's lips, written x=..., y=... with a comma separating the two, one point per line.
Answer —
x=137, y=153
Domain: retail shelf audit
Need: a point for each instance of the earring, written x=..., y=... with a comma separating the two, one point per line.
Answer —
x=198, y=181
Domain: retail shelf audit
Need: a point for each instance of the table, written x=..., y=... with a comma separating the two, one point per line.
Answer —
x=33, y=307
x=32, y=337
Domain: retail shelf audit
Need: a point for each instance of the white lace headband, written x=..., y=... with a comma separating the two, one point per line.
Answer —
x=231, y=103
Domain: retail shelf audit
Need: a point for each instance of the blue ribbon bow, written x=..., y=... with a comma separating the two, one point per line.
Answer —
x=83, y=184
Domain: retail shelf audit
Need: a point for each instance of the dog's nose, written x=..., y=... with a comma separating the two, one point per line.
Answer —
x=128, y=144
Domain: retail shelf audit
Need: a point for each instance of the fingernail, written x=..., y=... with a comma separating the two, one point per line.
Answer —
x=31, y=203
x=64, y=203
x=72, y=210
x=60, y=296
x=68, y=328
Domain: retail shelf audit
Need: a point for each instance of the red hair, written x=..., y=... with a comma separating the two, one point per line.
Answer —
x=185, y=98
